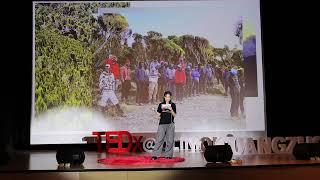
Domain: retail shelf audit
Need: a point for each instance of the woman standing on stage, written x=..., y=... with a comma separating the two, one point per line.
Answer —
x=167, y=112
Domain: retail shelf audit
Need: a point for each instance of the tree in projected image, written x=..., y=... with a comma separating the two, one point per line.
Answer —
x=66, y=36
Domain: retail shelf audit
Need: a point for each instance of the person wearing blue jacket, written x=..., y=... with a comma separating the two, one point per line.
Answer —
x=195, y=80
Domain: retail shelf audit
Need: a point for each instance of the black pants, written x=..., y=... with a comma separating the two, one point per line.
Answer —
x=226, y=87
x=139, y=94
x=202, y=85
x=188, y=90
x=195, y=87
x=161, y=89
x=179, y=91
x=145, y=91
x=125, y=89
x=242, y=94
x=209, y=83
x=219, y=79
x=235, y=102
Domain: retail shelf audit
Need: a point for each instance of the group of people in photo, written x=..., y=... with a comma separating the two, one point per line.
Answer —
x=152, y=78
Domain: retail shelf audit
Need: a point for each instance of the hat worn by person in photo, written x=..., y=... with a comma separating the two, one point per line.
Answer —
x=234, y=72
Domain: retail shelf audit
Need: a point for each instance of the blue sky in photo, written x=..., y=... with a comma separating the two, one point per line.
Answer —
x=213, y=20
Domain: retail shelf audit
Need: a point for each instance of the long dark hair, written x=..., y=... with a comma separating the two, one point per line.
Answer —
x=165, y=93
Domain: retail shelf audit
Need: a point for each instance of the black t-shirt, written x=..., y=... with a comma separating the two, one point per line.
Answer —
x=166, y=117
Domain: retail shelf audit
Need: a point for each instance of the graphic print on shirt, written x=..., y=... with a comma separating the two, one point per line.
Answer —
x=106, y=81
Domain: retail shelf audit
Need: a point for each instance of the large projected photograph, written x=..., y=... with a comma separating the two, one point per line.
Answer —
x=100, y=66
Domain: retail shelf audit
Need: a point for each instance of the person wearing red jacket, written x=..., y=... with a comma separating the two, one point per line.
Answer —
x=114, y=67
x=180, y=80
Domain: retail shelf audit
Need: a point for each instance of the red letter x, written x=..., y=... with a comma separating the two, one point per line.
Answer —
x=138, y=145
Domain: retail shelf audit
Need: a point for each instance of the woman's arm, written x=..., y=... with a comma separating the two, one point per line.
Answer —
x=173, y=113
x=173, y=110
x=159, y=110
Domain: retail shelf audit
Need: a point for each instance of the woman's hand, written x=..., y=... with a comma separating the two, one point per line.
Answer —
x=172, y=112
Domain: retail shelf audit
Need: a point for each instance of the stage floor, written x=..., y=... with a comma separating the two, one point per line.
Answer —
x=46, y=161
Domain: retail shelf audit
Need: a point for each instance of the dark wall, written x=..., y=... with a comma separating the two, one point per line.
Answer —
x=290, y=74
x=290, y=68
x=16, y=69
